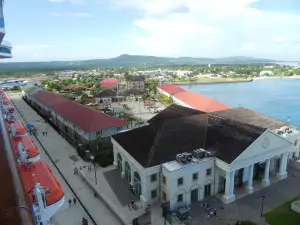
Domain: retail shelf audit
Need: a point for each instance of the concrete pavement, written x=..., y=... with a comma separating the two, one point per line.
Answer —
x=113, y=193
x=65, y=157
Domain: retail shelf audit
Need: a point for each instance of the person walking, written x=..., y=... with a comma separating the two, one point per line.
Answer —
x=74, y=201
x=70, y=202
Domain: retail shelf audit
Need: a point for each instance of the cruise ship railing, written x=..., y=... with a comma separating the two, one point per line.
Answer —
x=14, y=206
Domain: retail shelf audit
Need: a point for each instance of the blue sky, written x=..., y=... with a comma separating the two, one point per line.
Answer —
x=45, y=30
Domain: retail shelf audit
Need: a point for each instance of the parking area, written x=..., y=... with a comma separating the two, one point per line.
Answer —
x=138, y=109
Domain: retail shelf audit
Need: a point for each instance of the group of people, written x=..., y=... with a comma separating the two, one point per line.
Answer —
x=90, y=168
x=131, y=204
x=210, y=212
x=45, y=133
x=74, y=201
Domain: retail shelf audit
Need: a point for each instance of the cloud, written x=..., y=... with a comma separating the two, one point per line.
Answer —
x=209, y=28
x=79, y=15
x=75, y=2
x=55, y=14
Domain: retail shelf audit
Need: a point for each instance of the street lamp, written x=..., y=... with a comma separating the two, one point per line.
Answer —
x=262, y=205
x=92, y=158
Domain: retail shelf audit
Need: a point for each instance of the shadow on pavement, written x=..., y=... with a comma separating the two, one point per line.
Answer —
x=119, y=186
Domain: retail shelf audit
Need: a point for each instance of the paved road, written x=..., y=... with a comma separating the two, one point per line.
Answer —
x=65, y=158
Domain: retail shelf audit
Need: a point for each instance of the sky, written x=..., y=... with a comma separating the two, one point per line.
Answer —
x=47, y=30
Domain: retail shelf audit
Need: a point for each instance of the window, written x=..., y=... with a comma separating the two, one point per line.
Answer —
x=208, y=172
x=119, y=128
x=164, y=196
x=98, y=132
x=66, y=129
x=164, y=179
x=153, y=177
x=179, y=198
x=195, y=176
x=295, y=142
x=180, y=181
x=153, y=194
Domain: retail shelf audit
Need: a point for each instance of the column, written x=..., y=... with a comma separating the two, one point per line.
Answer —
x=266, y=180
x=249, y=187
x=231, y=183
x=123, y=168
x=115, y=157
x=132, y=176
x=228, y=196
x=144, y=195
x=283, y=163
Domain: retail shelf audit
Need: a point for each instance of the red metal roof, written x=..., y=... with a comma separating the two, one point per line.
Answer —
x=86, y=118
x=200, y=102
x=39, y=172
x=170, y=89
x=108, y=83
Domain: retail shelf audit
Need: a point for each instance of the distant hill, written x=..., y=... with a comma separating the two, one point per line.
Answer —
x=127, y=61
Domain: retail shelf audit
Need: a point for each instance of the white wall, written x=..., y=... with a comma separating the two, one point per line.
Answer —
x=173, y=190
x=145, y=173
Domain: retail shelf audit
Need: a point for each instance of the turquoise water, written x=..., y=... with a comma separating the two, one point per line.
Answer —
x=279, y=98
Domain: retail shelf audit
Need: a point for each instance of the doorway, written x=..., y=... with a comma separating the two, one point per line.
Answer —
x=207, y=190
x=222, y=184
x=194, y=195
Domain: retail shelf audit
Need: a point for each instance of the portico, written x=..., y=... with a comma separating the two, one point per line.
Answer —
x=256, y=163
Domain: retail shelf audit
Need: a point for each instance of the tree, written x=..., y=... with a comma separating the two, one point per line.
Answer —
x=78, y=91
x=43, y=82
x=125, y=107
x=92, y=92
x=131, y=119
x=83, y=99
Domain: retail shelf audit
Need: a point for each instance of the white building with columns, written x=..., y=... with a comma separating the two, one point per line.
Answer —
x=185, y=155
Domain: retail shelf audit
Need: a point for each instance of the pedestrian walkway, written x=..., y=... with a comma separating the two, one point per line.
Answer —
x=66, y=159
x=108, y=194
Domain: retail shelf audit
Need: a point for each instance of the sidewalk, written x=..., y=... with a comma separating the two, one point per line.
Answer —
x=107, y=194
x=65, y=157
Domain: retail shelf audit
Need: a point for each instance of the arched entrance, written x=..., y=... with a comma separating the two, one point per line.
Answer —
x=127, y=172
x=119, y=161
x=137, y=184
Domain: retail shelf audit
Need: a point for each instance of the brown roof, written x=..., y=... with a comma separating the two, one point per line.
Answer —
x=172, y=133
x=170, y=89
x=86, y=118
x=251, y=117
x=200, y=102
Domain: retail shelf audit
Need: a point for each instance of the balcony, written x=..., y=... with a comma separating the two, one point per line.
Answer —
x=5, y=50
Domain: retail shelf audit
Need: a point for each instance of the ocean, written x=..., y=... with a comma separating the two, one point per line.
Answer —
x=278, y=98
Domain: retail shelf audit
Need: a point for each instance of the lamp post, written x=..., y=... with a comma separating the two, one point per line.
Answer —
x=93, y=161
x=262, y=205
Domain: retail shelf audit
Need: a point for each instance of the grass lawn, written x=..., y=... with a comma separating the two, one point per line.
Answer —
x=283, y=215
